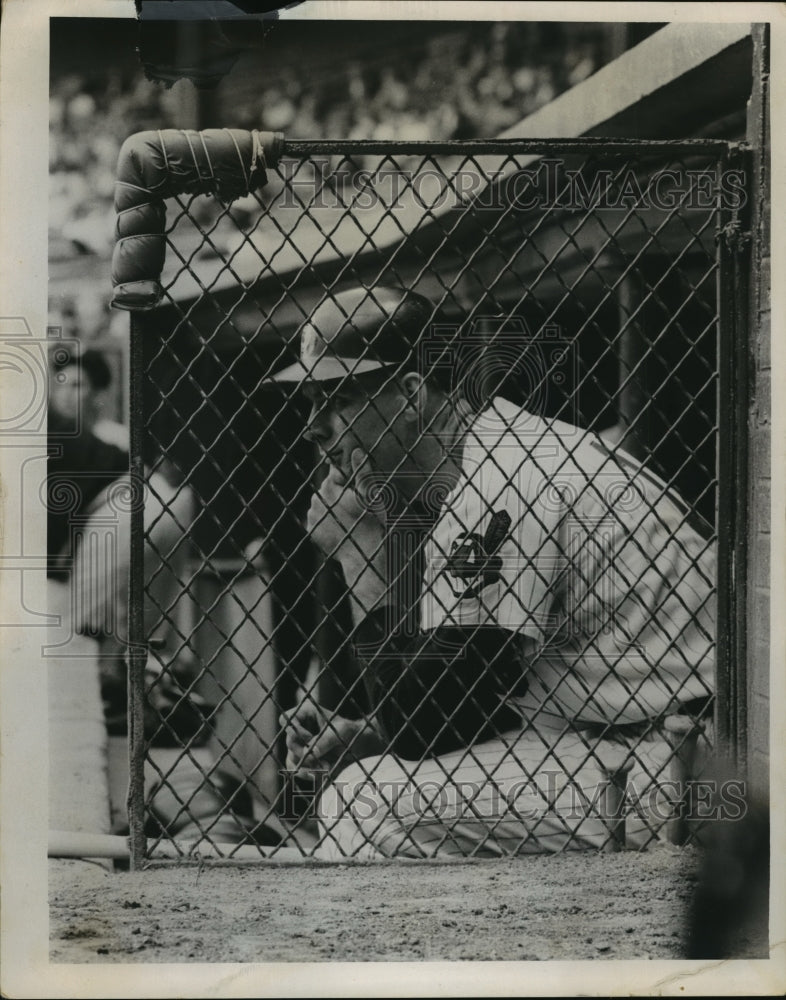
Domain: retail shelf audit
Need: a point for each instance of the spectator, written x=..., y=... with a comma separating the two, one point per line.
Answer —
x=89, y=501
x=81, y=465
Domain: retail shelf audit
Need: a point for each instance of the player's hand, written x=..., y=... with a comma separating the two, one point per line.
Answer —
x=347, y=528
x=301, y=725
x=319, y=742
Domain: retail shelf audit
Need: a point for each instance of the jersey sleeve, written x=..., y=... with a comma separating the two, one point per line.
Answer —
x=637, y=600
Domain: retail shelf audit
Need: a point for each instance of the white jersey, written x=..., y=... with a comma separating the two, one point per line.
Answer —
x=550, y=535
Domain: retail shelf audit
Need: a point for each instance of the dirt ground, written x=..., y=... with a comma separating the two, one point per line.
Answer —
x=612, y=906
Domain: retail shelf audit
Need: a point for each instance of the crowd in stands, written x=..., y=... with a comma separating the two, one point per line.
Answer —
x=459, y=86
x=467, y=84
x=470, y=81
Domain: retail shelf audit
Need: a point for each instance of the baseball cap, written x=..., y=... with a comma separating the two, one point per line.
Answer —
x=359, y=330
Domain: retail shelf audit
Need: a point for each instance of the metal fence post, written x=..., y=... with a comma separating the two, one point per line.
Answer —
x=733, y=369
x=137, y=647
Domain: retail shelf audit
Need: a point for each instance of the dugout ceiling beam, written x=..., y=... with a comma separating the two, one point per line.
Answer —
x=642, y=93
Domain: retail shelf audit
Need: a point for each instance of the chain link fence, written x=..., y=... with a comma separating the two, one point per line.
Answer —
x=580, y=284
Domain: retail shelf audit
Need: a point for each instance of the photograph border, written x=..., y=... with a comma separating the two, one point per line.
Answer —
x=24, y=944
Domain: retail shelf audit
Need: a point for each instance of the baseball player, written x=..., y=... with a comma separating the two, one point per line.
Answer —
x=564, y=600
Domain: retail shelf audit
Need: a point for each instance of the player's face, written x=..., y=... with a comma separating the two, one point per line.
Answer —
x=356, y=414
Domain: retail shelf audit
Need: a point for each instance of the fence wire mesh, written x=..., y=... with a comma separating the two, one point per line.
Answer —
x=574, y=315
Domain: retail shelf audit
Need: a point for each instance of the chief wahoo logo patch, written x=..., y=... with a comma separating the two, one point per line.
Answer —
x=473, y=562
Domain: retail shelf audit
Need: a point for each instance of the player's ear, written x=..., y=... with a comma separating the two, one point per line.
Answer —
x=414, y=395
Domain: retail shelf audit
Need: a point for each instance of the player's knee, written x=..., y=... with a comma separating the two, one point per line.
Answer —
x=337, y=798
x=361, y=769
x=330, y=805
x=359, y=790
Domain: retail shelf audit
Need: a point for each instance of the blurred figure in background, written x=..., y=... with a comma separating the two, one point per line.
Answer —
x=82, y=463
x=90, y=498
x=90, y=501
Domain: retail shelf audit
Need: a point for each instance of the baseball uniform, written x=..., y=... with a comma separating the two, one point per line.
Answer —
x=597, y=564
x=590, y=562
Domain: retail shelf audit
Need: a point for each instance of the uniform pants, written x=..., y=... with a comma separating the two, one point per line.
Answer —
x=522, y=793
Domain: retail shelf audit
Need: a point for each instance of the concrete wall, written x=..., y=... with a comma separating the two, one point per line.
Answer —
x=758, y=590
